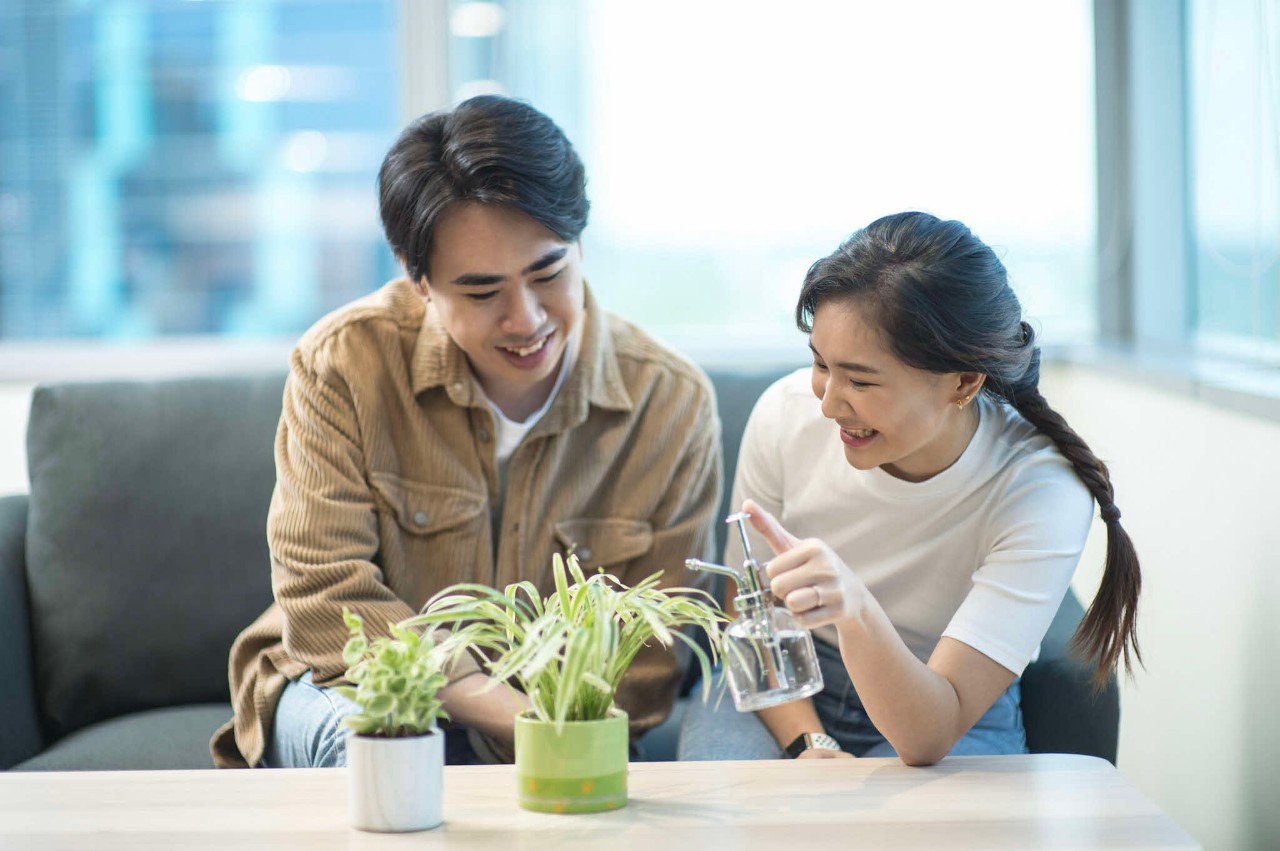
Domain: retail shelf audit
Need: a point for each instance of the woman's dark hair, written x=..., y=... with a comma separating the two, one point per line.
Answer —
x=942, y=301
x=489, y=149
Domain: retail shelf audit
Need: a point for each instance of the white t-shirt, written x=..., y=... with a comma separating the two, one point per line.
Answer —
x=508, y=434
x=983, y=552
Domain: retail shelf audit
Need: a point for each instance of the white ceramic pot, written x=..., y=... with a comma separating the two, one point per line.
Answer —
x=395, y=785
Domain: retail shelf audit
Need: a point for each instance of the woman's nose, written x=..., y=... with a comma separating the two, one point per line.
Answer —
x=832, y=405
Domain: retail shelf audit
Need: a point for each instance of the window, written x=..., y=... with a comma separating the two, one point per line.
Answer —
x=174, y=167
x=726, y=151
x=1233, y=86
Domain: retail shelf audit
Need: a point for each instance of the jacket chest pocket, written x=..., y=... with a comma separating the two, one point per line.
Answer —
x=427, y=533
x=604, y=542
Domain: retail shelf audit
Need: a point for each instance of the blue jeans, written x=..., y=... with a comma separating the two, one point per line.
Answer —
x=711, y=732
x=307, y=732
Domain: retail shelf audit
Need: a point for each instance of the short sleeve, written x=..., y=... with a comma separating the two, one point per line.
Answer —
x=1037, y=534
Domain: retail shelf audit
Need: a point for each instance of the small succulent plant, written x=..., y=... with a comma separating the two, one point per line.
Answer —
x=396, y=678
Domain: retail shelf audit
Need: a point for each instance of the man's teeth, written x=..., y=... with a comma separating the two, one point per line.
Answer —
x=525, y=352
x=862, y=432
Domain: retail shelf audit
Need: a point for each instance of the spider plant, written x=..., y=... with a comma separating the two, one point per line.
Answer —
x=569, y=651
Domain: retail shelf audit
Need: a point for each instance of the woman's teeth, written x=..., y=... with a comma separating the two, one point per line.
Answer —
x=862, y=432
x=528, y=350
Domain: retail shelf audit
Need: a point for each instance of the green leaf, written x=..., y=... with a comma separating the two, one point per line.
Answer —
x=353, y=621
x=353, y=652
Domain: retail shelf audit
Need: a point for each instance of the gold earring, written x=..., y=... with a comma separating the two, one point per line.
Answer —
x=960, y=403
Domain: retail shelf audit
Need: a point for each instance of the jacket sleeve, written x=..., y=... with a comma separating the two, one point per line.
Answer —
x=682, y=524
x=322, y=528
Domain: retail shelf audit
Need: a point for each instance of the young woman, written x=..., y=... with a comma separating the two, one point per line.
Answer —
x=925, y=505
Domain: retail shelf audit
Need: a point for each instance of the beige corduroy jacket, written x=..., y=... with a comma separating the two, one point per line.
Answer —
x=386, y=474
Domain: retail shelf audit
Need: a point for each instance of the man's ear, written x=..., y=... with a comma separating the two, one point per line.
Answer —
x=420, y=285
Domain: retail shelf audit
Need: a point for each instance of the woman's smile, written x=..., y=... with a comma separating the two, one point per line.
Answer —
x=857, y=438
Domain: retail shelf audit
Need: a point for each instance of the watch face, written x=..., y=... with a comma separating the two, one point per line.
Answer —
x=822, y=740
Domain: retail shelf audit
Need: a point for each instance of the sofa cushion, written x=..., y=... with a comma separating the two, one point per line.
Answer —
x=1061, y=710
x=20, y=730
x=146, y=539
x=159, y=738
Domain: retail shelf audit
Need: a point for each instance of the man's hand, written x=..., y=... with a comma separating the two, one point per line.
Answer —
x=491, y=708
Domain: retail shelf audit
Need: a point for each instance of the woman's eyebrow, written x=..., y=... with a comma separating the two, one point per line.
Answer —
x=848, y=366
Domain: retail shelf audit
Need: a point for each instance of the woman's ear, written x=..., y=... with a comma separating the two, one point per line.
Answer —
x=969, y=383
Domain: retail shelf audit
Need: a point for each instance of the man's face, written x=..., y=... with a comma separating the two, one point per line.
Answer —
x=509, y=292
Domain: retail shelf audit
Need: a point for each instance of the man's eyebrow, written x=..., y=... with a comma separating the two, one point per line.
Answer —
x=552, y=256
x=478, y=280
x=482, y=280
x=848, y=367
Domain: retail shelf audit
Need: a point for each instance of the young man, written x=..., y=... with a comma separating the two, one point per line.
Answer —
x=463, y=424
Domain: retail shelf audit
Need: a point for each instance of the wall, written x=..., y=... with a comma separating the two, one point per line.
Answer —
x=1199, y=488
x=15, y=400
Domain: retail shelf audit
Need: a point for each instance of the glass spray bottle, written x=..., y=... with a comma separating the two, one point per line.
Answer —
x=769, y=656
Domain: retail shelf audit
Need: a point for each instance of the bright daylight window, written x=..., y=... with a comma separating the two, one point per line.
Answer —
x=1234, y=83
x=174, y=167
x=727, y=151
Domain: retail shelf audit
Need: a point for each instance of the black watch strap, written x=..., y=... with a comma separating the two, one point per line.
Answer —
x=805, y=741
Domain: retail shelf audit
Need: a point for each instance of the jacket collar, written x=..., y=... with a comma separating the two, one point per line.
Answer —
x=596, y=379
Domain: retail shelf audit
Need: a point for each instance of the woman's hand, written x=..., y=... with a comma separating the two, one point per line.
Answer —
x=823, y=753
x=807, y=575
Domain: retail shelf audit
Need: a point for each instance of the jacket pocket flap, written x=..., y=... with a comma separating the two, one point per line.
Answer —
x=423, y=509
x=602, y=542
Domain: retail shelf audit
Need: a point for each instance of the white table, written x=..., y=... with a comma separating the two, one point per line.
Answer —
x=1049, y=801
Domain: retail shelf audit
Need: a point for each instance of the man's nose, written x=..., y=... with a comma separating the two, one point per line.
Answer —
x=525, y=314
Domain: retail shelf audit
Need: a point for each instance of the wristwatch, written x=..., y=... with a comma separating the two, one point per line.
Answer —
x=805, y=741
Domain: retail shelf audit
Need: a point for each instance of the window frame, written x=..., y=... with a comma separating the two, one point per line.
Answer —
x=1146, y=275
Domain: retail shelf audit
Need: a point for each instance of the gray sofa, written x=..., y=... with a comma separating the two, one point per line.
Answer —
x=140, y=553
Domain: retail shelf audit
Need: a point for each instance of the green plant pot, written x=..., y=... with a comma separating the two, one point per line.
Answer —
x=582, y=769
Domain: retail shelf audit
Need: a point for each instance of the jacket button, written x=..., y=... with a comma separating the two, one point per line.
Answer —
x=483, y=434
x=420, y=518
x=584, y=553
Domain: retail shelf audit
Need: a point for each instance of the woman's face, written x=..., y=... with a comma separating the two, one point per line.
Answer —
x=888, y=414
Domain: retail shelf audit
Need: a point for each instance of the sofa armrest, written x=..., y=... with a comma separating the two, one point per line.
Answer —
x=20, y=732
x=1060, y=709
